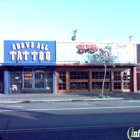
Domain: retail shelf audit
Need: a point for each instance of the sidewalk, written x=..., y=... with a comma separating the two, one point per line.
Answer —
x=65, y=97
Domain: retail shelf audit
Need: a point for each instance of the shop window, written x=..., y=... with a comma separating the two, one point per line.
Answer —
x=117, y=85
x=31, y=80
x=98, y=85
x=78, y=75
x=117, y=75
x=15, y=81
x=62, y=80
x=117, y=80
x=100, y=75
x=78, y=85
x=126, y=79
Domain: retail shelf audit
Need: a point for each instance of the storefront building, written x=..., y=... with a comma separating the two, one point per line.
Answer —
x=78, y=68
x=138, y=67
x=28, y=66
x=1, y=67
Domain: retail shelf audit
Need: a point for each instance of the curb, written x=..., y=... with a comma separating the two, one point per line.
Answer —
x=62, y=100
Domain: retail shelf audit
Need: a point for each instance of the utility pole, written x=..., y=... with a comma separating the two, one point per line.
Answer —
x=130, y=38
x=73, y=38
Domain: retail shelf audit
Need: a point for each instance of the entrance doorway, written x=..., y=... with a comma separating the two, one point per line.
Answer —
x=121, y=80
x=37, y=80
x=31, y=80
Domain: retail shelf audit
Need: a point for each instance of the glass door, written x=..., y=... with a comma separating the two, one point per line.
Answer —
x=40, y=78
x=121, y=80
x=126, y=80
x=61, y=81
x=28, y=78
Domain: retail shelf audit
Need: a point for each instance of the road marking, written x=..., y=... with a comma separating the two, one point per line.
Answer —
x=15, y=106
x=57, y=109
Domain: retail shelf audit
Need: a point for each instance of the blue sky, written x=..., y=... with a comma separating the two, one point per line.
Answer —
x=94, y=20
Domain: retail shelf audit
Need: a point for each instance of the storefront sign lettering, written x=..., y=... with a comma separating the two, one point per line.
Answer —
x=122, y=49
x=18, y=55
x=90, y=48
x=39, y=71
x=23, y=45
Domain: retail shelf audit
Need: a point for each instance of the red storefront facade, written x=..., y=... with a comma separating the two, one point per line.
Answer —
x=80, y=73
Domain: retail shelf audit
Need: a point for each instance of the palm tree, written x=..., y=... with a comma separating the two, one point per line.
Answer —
x=105, y=57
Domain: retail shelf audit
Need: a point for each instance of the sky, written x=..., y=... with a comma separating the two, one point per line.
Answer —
x=94, y=20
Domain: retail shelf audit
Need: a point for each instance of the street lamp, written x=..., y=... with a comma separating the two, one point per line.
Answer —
x=73, y=38
x=130, y=38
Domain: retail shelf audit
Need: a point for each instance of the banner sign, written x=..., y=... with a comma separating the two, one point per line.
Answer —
x=29, y=51
x=122, y=52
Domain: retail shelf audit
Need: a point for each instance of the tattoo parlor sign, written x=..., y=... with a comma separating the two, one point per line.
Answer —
x=29, y=51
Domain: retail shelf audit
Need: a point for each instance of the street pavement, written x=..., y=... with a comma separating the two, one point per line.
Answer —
x=66, y=97
x=68, y=118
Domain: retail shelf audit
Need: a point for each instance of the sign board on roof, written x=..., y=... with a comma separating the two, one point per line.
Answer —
x=29, y=52
x=67, y=52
